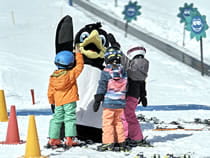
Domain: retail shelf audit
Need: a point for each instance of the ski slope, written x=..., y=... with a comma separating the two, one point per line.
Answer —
x=26, y=55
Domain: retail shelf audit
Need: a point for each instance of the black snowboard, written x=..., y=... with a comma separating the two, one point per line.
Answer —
x=64, y=35
x=64, y=39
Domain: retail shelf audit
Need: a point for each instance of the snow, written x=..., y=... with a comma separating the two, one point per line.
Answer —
x=160, y=19
x=27, y=53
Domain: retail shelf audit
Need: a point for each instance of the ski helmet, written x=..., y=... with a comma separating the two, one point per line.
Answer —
x=112, y=55
x=135, y=51
x=64, y=59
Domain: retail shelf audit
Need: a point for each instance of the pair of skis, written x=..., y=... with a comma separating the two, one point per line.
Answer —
x=183, y=129
x=141, y=155
x=163, y=126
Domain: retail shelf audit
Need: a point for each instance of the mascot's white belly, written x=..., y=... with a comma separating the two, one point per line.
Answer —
x=87, y=86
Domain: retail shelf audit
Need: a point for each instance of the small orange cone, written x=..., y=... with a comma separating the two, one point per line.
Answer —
x=32, y=149
x=3, y=109
x=12, y=129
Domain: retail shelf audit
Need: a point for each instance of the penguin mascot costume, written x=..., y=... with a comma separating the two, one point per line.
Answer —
x=92, y=41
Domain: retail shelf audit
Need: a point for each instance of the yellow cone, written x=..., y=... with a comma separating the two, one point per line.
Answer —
x=3, y=109
x=32, y=149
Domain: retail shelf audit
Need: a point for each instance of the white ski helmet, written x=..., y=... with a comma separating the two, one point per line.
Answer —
x=134, y=51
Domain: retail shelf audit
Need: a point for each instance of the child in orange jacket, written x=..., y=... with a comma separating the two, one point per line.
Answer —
x=63, y=92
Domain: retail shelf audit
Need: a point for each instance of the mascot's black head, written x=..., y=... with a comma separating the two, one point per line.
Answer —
x=92, y=41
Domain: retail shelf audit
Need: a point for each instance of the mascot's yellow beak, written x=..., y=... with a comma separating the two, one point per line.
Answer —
x=92, y=46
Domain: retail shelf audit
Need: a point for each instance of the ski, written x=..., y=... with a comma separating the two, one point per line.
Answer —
x=141, y=155
x=176, y=125
x=174, y=156
x=156, y=156
x=116, y=150
x=184, y=129
x=198, y=121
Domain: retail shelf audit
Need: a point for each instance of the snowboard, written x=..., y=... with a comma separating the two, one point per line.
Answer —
x=64, y=38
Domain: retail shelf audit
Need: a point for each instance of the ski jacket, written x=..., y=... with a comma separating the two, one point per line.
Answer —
x=113, y=83
x=62, y=87
x=136, y=68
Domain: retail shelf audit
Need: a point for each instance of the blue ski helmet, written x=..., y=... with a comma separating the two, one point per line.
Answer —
x=64, y=59
x=112, y=55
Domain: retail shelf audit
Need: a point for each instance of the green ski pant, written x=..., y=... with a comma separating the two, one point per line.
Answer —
x=67, y=114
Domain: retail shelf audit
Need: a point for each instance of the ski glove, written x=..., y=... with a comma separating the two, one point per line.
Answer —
x=98, y=99
x=53, y=108
x=143, y=100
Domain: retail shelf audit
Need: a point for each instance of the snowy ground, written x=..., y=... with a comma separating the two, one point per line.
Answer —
x=27, y=53
x=160, y=19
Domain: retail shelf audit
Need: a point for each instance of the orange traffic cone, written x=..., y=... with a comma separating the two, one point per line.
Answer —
x=3, y=109
x=32, y=149
x=12, y=129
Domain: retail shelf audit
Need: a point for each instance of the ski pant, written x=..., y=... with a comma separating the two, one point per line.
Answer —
x=125, y=124
x=112, y=126
x=67, y=114
x=134, y=128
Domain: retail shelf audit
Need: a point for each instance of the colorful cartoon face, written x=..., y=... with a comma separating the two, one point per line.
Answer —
x=197, y=24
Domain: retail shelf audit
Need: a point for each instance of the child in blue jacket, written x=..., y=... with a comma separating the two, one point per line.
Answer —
x=111, y=93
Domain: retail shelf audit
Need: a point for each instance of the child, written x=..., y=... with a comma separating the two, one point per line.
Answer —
x=63, y=92
x=137, y=68
x=111, y=92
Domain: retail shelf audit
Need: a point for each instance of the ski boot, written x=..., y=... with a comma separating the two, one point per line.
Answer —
x=186, y=156
x=156, y=156
x=140, y=155
x=169, y=156
x=124, y=147
x=141, y=117
x=105, y=147
x=206, y=121
x=143, y=143
x=135, y=143
x=71, y=141
x=54, y=144
x=197, y=120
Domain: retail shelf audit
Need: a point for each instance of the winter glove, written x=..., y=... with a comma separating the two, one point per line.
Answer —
x=53, y=108
x=143, y=100
x=98, y=99
x=96, y=106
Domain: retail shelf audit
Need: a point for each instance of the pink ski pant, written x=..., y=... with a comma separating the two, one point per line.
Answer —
x=112, y=126
x=133, y=127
